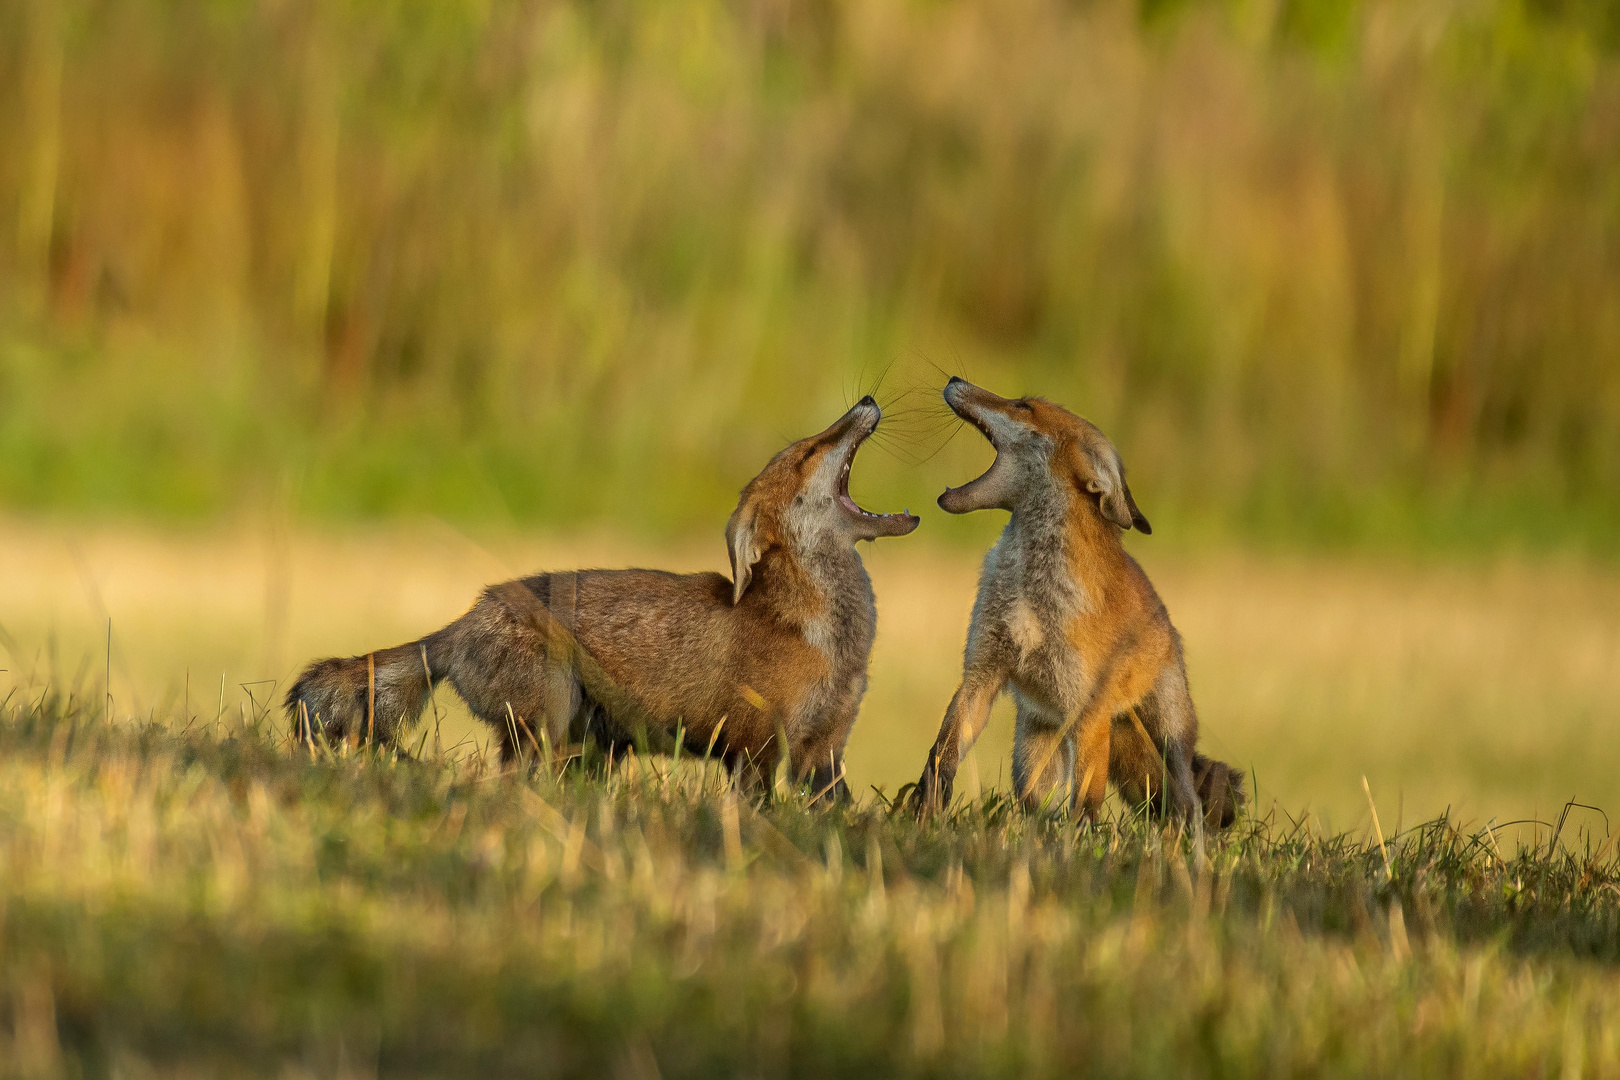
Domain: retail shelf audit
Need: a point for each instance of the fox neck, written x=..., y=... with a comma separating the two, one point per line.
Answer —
x=825, y=594
x=1039, y=527
x=1060, y=537
x=1096, y=551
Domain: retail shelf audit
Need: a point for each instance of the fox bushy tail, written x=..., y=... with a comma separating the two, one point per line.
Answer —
x=1220, y=789
x=1137, y=763
x=369, y=697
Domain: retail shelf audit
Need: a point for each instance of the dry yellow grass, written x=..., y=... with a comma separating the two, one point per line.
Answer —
x=1492, y=689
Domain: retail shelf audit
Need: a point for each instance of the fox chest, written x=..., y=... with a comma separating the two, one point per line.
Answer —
x=1024, y=619
x=1031, y=647
x=1045, y=670
x=841, y=641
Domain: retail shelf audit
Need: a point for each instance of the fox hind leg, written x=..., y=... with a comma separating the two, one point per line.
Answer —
x=514, y=665
x=1090, y=767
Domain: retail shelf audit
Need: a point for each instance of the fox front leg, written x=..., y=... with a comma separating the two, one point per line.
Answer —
x=819, y=760
x=1043, y=763
x=828, y=786
x=965, y=718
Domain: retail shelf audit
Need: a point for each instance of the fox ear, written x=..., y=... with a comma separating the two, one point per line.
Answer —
x=744, y=548
x=1138, y=519
x=1100, y=472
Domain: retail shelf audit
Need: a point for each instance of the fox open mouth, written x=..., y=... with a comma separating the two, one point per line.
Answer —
x=983, y=410
x=877, y=524
x=972, y=417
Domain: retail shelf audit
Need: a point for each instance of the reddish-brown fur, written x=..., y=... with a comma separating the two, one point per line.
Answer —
x=637, y=657
x=1067, y=619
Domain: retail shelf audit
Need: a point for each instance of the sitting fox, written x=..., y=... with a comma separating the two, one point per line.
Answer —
x=1067, y=618
x=633, y=657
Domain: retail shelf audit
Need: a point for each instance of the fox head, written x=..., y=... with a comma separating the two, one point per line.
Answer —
x=1039, y=444
x=801, y=502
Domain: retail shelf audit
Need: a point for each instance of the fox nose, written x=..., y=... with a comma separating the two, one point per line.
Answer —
x=868, y=400
x=956, y=379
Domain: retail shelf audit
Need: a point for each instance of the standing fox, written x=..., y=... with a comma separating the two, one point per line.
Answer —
x=630, y=657
x=1069, y=619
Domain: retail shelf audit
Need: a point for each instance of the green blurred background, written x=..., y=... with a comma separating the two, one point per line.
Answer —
x=1331, y=272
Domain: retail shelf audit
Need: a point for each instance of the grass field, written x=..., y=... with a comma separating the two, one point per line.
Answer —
x=213, y=902
x=316, y=317
x=183, y=892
